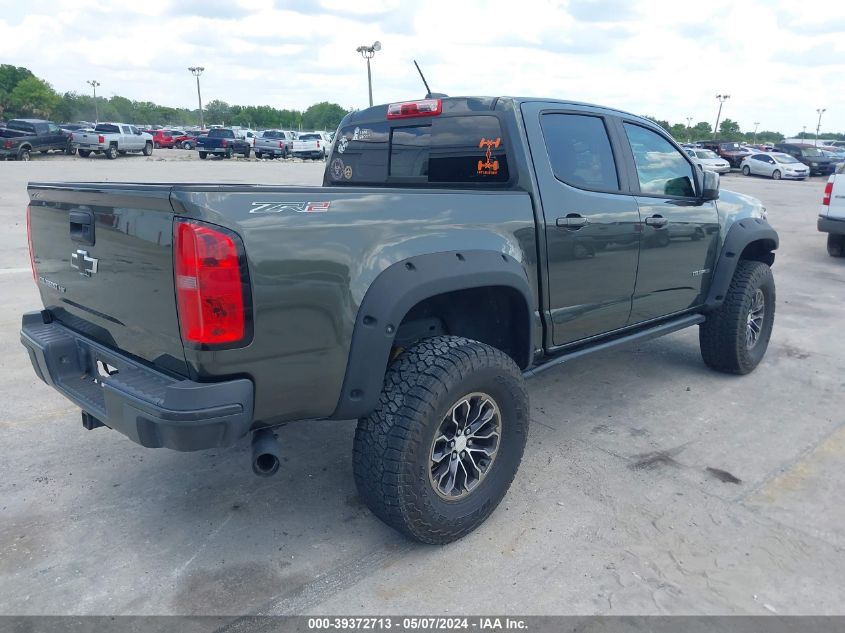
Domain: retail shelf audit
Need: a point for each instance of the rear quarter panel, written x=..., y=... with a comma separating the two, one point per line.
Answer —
x=309, y=272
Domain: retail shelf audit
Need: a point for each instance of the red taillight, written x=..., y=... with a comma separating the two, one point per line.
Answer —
x=29, y=242
x=225, y=143
x=209, y=287
x=101, y=139
x=318, y=144
x=828, y=191
x=8, y=144
x=406, y=109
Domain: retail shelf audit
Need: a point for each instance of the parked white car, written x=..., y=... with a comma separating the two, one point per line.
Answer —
x=112, y=139
x=832, y=214
x=705, y=159
x=775, y=165
x=312, y=145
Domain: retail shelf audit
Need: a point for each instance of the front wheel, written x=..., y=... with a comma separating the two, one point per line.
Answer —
x=746, y=170
x=148, y=149
x=734, y=338
x=776, y=174
x=836, y=245
x=439, y=452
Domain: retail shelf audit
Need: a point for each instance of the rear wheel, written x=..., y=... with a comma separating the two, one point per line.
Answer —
x=70, y=150
x=85, y=153
x=203, y=155
x=734, y=338
x=439, y=452
x=247, y=152
x=24, y=155
x=259, y=155
x=746, y=170
x=776, y=174
x=229, y=153
x=111, y=152
x=836, y=245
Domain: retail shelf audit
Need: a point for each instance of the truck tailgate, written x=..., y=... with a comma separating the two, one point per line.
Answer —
x=104, y=265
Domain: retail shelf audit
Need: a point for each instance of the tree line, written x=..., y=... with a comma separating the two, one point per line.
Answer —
x=22, y=94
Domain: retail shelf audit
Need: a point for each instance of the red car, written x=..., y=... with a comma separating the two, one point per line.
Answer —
x=163, y=138
x=186, y=140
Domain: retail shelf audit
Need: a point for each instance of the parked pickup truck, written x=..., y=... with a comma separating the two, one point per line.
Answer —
x=113, y=139
x=274, y=143
x=21, y=137
x=832, y=215
x=312, y=145
x=457, y=247
x=222, y=142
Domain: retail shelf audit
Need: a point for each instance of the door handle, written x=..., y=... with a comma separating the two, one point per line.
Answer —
x=657, y=221
x=571, y=221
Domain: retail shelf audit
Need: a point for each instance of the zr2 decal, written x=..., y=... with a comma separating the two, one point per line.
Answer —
x=290, y=207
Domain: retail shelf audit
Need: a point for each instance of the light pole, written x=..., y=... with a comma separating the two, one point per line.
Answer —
x=722, y=99
x=756, y=125
x=94, y=83
x=367, y=53
x=821, y=111
x=196, y=71
x=689, y=131
x=803, y=132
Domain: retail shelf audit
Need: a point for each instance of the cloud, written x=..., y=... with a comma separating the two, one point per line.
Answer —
x=778, y=61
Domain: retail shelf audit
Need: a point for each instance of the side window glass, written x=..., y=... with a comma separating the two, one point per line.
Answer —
x=661, y=169
x=579, y=151
x=52, y=128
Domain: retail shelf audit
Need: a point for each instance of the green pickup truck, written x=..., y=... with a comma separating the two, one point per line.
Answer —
x=457, y=247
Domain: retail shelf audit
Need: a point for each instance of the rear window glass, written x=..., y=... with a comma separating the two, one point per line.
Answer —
x=439, y=150
x=310, y=137
x=271, y=134
x=218, y=133
x=108, y=128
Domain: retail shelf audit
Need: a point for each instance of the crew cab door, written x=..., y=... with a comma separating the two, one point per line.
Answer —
x=126, y=140
x=55, y=139
x=680, y=232
x=591, y=222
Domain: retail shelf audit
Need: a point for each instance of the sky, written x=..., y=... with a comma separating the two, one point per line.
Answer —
x=779, y=60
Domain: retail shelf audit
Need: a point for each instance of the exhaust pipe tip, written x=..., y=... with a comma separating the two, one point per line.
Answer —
x=265, y=453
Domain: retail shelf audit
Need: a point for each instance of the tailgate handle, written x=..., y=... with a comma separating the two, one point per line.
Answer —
x=82, y=227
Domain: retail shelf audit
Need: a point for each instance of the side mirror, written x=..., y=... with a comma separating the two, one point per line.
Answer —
x=709, y=185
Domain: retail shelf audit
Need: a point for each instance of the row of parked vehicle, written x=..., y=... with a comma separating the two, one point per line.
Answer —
x=781, y=160
x=20, y=138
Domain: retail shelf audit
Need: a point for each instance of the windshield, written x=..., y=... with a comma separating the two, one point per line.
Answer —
x=730, y=146
x=786, y=159
x=108, y=128
x=812, y=151
x=706, y=153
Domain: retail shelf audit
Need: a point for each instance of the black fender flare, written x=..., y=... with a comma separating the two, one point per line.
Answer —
x=740, y=235
x=394, y=292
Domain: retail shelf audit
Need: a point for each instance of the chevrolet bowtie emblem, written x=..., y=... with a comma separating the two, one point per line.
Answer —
x=85, y=265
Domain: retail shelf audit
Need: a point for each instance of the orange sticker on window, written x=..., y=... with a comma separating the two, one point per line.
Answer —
x=488, y=166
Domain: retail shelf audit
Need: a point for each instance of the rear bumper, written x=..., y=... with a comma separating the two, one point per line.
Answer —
x=149, y=407
x=831, y=225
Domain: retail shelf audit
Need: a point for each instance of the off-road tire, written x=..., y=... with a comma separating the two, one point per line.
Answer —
x=148, y=149
x=722, y=337
x=392, y=448
x=836, y=245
